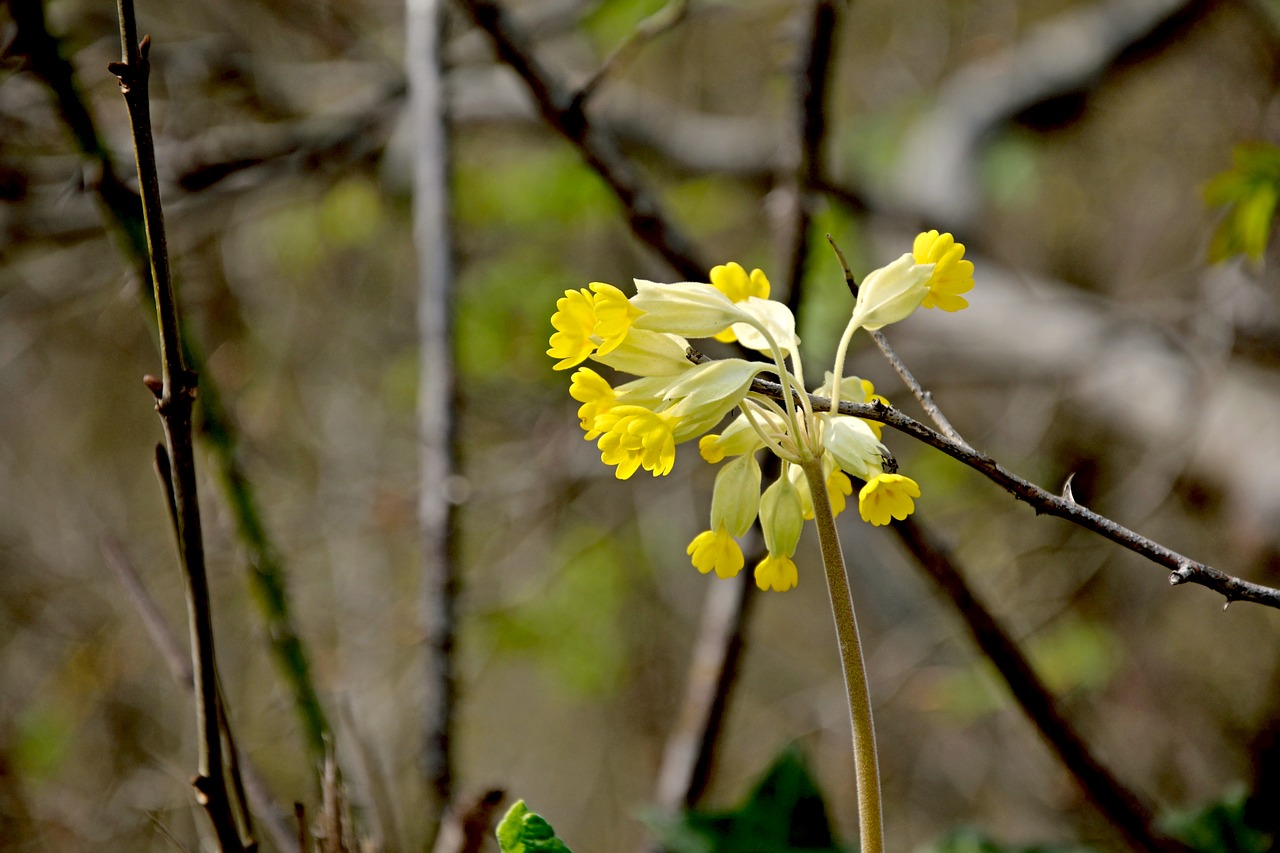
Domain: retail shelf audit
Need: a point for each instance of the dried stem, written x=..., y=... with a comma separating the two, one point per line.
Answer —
x=175, y=399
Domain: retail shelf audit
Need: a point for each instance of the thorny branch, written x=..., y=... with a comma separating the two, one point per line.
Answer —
x=1182, y=569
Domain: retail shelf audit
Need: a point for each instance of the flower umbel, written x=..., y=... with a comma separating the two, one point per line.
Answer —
x=680, y=395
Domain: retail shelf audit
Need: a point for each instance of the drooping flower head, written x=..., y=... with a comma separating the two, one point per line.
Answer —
x=680, y=395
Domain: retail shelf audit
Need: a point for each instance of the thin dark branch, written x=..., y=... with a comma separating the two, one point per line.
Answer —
x=597, y=147
x=437, y=398
x=813, y=81
x=1122, y=808
x=164, y=639
x=646, y=31
x=1182, y=569
x=688, y=752
x=174, y=403
x=121, y=206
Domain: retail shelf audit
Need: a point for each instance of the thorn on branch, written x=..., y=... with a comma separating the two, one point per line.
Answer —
x=1067, y=494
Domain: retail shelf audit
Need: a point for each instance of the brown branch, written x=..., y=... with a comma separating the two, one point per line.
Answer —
x=596, y=145
x=689, y=748
x=42, y=53
x=162, y=635
x=174, y=403
x=1122, y=809
x=1182, y=569
x=813, y=81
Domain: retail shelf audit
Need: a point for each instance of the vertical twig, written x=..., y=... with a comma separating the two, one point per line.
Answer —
x=255, y=789
x=436, y=393
x=688, y=752
x=175, y=399
x=812, y=84
x=121, y=205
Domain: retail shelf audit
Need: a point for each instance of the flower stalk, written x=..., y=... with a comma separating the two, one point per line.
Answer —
x=866, y=761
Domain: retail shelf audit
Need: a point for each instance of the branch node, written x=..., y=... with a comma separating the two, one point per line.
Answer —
x=1181, y=575
x=203, y=785
x=154, y=384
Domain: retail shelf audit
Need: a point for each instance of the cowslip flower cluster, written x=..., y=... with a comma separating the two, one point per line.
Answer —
x=675, y=397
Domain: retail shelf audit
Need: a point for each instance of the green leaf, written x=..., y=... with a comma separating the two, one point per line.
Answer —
x=523, y=831
x=1217, y=828
x=1249, y=190
x=785, y=812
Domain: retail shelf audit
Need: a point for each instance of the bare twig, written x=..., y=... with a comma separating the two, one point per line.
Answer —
x=646, y=31
x=1182, y=569
x=174, y=402
x=812, y=82
x=597, y=147
x=1121, y=808
x=686, y=758
x=437, y=517
x=122, y=206
x=162, y=635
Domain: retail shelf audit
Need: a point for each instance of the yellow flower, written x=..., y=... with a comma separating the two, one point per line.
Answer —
x=634, y=437
x=885, y=496
x=614, y=315
x=595, y=394
x=574, y=321
x=732, y=280
x=952, y=275
x=839, y=487
x=585, y=319
x=776, y=573
x=716, y=550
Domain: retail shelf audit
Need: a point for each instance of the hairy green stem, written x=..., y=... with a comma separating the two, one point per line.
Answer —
x=866, y=763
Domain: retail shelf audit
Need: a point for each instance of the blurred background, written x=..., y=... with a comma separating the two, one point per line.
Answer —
x=1067, y=144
